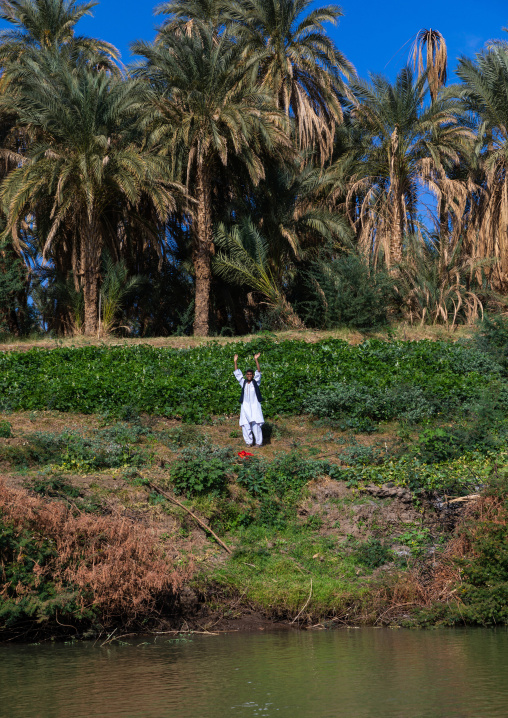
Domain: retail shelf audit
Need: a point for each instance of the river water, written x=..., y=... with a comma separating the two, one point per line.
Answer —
x=367, y=673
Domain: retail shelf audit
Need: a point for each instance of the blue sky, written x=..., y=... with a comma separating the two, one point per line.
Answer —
x=369, y=34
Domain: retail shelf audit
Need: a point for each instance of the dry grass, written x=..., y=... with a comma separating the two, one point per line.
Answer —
x=401, y=331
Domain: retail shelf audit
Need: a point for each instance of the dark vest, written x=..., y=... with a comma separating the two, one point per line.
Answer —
x=256, y=389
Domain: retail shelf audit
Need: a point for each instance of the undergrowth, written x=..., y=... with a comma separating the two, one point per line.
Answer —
x=110, y=447
x=60, y=567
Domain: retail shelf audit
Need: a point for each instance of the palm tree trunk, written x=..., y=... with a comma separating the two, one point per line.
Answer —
x=396, y=243
x=397, y=230
x=91, y=246
x=203, y=251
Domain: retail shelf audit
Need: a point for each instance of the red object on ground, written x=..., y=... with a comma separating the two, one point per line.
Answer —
x=244, y=454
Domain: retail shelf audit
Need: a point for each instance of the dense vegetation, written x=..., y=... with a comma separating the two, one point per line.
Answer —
x=359, y=385
x=410, y=423
x=227, y=181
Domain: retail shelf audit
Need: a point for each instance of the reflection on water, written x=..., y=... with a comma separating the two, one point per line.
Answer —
x=344, y=674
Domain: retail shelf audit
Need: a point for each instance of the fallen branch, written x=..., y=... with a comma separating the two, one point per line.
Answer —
x=196, y=518
x=304, y=606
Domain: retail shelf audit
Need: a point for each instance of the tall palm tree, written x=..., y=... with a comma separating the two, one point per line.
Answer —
x=86, y=161
x=283, y=223
x=49, y=25
x=484, y=92
x=404, y=143
x=206, y=108
x=430, y=58
x=301, y=65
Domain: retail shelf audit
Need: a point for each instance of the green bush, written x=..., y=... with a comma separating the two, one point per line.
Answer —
x=57, y=487
x=41, y=599
x=437, y=445
x=492, y=339
x=458, y=476
x=72, y=450
x=372, y=553
x=344, y=292
x=278, y=484
x=360, y=402
x=180, y=436
x=201, y=471
x=5, y=430
x=481, y=596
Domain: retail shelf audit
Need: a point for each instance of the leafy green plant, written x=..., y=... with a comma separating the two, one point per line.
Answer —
x=74, y=451
x=278, y=484
x=437, y=445
x=417, y=539
x=458, y=476
x=201, y=471
x=180, y=436
x=5, y=430
x=372, y=553
x=357, y=401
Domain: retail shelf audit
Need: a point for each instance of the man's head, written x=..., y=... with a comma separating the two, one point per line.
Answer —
x=249, y=375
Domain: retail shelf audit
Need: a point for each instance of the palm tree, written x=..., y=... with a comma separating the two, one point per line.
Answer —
x=405, y=144
x=243, y=259
x=484, y=92
x=183, y=14
x=300, y=64
x=293, y=208
x=206, y=108
x=85, y=166
x=49, y=25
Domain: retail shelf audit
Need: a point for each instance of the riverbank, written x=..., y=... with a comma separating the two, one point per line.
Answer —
x=343, y=518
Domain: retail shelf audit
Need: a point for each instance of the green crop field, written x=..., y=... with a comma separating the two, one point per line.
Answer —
x=373, y=381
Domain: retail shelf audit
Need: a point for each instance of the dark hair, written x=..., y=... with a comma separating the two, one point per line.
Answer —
x=249, y=370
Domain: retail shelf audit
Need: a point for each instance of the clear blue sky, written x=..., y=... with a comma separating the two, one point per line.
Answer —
x=369, y=34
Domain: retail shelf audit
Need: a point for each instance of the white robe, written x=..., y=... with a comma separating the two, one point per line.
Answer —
x=251, y=408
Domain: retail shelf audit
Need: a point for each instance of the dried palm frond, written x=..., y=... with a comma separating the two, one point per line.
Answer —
x=431, y=44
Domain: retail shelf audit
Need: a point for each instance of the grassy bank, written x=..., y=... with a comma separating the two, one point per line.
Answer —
x=343, y=517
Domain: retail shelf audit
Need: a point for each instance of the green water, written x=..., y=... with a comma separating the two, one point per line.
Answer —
x=342, y=674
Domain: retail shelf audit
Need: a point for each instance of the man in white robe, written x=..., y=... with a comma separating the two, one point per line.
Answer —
x=251, y=414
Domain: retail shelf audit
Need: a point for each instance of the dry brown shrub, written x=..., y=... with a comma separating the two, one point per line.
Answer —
x=117, y=566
